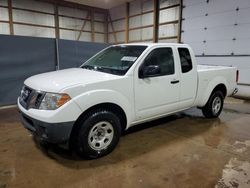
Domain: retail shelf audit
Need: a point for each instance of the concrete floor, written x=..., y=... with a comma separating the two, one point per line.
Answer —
x=184, y=150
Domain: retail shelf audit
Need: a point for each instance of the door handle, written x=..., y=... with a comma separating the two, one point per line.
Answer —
x=175, y=81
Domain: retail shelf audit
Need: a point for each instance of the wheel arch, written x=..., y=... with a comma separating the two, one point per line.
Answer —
x=220, y=87
x=116, y=109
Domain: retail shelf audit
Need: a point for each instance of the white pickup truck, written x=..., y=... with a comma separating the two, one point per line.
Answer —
x=121, y=86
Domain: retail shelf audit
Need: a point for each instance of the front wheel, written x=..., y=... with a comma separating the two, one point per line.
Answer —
x=98, y=135
x=214, y=105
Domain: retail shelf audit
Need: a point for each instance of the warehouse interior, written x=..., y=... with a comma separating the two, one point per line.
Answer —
x=181, y=150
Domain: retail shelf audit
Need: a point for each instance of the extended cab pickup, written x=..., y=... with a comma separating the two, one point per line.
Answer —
x=121, y=86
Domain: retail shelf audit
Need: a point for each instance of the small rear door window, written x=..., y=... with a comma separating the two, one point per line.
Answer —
x=185, y=58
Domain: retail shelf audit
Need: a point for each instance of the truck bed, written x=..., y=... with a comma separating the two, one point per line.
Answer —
x=211, y=67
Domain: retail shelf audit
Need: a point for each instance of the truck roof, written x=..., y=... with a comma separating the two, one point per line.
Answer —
x=153, y=44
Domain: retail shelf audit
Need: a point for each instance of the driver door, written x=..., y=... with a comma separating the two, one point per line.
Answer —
x=157, y=94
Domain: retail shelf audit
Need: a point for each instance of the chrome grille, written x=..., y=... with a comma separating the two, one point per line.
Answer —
x=30, y=98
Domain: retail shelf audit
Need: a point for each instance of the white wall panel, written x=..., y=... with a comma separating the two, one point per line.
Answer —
x=220, y=33
x=135, y=7
x=120, y=36
x=147, y=5
x=87, y=26
x=166, y=3
x=135, y=22
x=242, y=31
x=119, y=25
x=99, y=37
x=33, y=18
x=147, y=19
x=192, y=2
x=72, y=12
x=26, y=30
x=169, y=14
x=4, y=28
x=196, y=10
x=85, y=36
x=30, y=4
x=217, y=20
x=222, y=29
x=99, y=27
x=147, y=33
x=192, y=36
x=218, y=47
x=69, y=35
x=243, y=15
x=243, y=3
x=118, y=12
x=242, y=46
x=220, y=6
x=109, y=27
x=198, y=47
x=4, y=14
x=4, y=2
x=193, y=23
x=227, y=32
x=168, y=30
x=111, y=38
x=168, y=41
x=73, y=35
x=135, y=35
x=99, y=17
x=73, y=23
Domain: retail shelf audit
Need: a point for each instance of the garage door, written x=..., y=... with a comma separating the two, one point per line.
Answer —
x=219, y=32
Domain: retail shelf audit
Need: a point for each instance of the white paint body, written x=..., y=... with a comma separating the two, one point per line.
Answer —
x=141, y=99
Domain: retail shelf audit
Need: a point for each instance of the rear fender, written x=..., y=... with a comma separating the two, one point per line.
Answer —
x=209, y=89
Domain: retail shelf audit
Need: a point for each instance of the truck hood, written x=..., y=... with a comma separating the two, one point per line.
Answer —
x=58, y=80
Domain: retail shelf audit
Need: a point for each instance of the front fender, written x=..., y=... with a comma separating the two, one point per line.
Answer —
x=92, y=98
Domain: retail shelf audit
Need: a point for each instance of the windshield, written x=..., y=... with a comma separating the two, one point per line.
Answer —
x=115, y=60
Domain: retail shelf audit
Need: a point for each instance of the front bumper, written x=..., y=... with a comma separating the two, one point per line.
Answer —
x=56, y=133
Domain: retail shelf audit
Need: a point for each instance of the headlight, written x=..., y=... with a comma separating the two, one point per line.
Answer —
x=52, y=101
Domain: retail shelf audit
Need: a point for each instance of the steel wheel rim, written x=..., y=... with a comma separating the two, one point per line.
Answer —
x=101, y=135
x=216, y=105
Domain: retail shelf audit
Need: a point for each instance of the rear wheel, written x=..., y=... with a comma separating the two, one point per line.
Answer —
x=214, y=105
x=98, y=134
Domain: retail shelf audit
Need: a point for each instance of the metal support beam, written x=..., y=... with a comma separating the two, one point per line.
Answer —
x=112, y=27
x=106, y=35
x=57, y=30
x=92, y=25
x=156, y=20
x=127, y=23
x=180, y=21
x=10, y=17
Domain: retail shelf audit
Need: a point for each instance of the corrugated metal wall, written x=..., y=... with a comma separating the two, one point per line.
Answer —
x=22, y=57
x=219, y=32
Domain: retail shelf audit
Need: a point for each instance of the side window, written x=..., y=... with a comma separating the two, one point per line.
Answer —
x=185, y=58
x=163, y=57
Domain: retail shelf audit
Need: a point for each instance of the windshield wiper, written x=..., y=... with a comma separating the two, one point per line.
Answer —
x=89, y=67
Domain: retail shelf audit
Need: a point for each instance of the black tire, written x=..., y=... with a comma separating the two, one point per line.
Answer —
x=208, y=110
x=83, y=144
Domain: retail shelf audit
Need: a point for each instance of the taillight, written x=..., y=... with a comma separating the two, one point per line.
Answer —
x=237, y=76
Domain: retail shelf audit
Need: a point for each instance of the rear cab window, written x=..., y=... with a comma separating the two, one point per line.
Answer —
x=185, y=60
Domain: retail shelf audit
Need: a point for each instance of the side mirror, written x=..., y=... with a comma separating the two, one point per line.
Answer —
x=149, y=71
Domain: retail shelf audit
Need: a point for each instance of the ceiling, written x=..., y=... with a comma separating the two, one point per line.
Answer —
x=106, y=4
